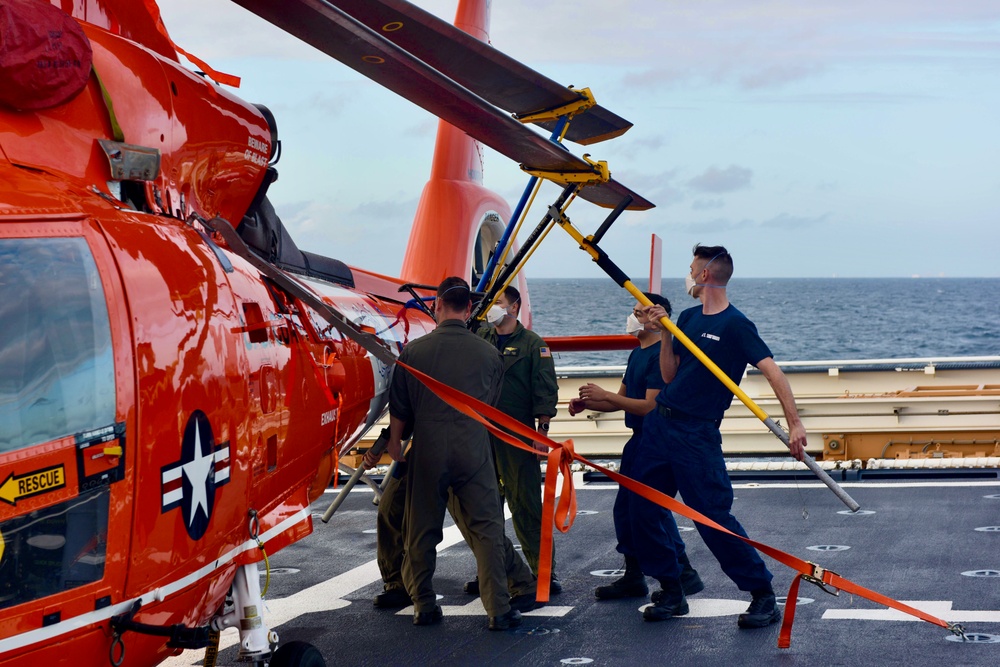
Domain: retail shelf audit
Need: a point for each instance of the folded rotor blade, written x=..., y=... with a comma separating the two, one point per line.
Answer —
x=487, y=72
x=339, y=35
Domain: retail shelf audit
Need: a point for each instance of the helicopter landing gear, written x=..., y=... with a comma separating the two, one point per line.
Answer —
x=255, y=639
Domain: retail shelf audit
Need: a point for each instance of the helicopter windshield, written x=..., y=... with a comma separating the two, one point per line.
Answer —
x=56, y=362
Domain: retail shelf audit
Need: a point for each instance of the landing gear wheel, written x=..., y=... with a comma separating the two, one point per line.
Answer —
x=297, y=654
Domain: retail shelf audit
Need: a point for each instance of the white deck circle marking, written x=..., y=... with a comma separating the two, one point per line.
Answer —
x=974, y=638
x=828, y=547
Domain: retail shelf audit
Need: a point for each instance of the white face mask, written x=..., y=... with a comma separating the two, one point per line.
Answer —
x=495, y=314
x=633, y=325
x=689, y=284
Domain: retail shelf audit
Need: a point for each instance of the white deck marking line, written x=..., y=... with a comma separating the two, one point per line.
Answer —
x=324, y=596
x=940, y=608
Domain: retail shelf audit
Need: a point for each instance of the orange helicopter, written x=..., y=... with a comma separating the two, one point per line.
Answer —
x=177, y=377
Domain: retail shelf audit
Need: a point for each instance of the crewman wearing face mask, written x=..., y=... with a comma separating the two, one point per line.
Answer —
x=636, y=396
x=529, y=394
x=681, y=446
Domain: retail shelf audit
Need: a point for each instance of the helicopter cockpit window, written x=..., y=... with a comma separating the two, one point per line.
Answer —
x=57, y=375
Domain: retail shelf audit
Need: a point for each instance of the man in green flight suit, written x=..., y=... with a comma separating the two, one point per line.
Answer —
x=449, y=452
x=529, y=394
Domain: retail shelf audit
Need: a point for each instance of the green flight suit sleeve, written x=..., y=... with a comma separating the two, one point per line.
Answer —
x=497, y=380
x=544, y=387
x=399, y=394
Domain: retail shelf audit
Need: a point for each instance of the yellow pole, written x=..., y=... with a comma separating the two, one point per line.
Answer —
x=612, y=270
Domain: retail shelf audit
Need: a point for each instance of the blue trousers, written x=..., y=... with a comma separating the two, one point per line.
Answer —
x=623, y=502
x=686, y=456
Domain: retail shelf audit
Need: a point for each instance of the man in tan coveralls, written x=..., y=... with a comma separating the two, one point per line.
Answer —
x=449, y=451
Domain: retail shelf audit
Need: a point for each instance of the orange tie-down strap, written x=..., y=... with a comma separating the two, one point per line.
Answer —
x=561, y=455
x=215, y=75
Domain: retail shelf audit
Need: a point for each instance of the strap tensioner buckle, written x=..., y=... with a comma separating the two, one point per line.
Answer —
x=816, y=578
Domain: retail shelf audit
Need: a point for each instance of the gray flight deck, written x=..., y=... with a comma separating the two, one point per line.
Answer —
x=923, y=535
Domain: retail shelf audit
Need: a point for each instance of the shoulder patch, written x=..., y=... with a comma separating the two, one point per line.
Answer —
x=544, y=353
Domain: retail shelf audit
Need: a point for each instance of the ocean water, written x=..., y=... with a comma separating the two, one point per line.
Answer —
x=801, y=319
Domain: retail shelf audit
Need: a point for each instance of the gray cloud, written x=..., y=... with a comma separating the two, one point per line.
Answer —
x=717, y=225
x=782, y=221
x=785, y=221
x=643, y=145
x=426, y=128
x=657, y=76
x=777, y=75
x=847, y=98
x=386, y=211
x=326, y=104
x=658, y=188
x=716, y=180
x=707, y=204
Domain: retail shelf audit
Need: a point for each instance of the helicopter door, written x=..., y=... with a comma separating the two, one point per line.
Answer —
x=61, y=448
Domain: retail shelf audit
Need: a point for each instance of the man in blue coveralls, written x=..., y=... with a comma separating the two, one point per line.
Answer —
x=681, y=447
x=636, y=397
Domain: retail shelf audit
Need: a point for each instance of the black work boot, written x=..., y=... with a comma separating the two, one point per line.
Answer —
x=430, y=617
x=671, y=602
x=763, y=610
x=690, y=581
x=511, y=619
x=632, y=584
x=392, y=598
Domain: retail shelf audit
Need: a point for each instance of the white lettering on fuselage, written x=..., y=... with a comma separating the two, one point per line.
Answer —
x=257, y=151
x=328, y=417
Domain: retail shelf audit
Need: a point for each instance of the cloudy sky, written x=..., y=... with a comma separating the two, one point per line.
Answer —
x=814, y=139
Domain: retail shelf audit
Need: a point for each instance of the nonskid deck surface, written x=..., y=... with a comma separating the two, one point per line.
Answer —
x=915, y=547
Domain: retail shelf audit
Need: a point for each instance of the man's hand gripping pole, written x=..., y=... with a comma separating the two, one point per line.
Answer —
x=589, y=245
x=377, y=447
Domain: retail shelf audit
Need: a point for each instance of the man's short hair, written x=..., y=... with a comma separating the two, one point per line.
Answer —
x=512, y=295
x=721, y=261
x=454, y=293
x=659, y=300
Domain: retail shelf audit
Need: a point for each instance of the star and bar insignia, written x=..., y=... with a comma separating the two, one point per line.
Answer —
x=190, y=483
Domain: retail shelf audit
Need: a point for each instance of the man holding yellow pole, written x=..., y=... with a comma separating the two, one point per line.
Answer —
x=681, y=447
